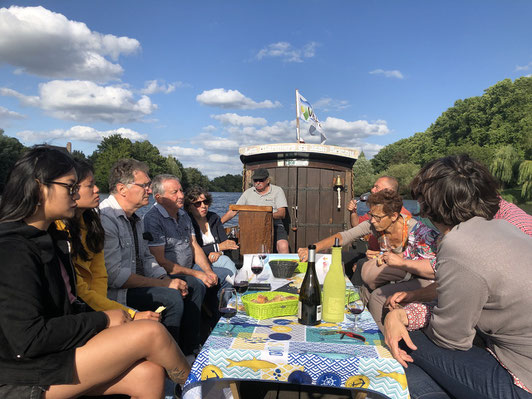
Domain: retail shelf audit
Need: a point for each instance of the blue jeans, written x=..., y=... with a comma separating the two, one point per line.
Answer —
x=225, y=262
x=439, y=373
x=179, y=310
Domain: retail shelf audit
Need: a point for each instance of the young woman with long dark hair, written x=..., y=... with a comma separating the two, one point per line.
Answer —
x=48, y=347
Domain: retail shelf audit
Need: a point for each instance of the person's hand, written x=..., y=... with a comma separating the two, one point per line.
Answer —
x=352, y=206
x=178, y=284
x=213, y=277
x=227, y=245
x=370, y=254
x=117, y=317
x=214, y=256
x=303, y=254
x=396, y=300
x=394, y=332
x=392, y=259
x=148, y=315
x=205, y=278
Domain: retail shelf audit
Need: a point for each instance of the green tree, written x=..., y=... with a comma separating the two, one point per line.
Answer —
x=505, y=160
x=10, y=150
x=404, y=173
x=79, y=155
x=226, y=183
x=110, y=150
x=363, y=175
x=525, y=178
x=196, y=178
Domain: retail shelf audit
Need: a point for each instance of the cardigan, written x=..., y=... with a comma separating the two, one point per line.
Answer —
x=39, y=326
x=217, y=230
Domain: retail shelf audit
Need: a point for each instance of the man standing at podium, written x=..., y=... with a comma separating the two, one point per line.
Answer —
x=265, y=194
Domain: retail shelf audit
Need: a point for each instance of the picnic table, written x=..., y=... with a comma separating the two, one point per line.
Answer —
x=282, y=350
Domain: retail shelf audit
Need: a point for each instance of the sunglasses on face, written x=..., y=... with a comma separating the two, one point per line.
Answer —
x=197, y=204
x=259, y=180
x=72, y=188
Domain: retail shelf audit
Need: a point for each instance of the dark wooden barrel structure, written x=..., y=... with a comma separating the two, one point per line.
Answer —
x=309, y=174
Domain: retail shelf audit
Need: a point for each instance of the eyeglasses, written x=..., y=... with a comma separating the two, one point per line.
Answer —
x=377, y=218
x=144, y=186
x=197, y=204
x=72, y=188
x=259, y=180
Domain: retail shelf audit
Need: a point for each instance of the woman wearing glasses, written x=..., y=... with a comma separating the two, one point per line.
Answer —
x=209, y=230
x=407, y=251
x=50, y=348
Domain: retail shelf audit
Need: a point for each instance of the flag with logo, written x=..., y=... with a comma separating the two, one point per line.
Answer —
x=306, y=113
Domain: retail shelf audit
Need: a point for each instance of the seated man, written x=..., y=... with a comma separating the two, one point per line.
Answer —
x=172, y=240
x=265, y=194
x=135, y=278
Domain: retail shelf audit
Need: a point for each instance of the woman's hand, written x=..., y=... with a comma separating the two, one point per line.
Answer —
x=148, y=315
x=227, y=245
x=303, y=254
x=394, y=301
x=117, y=317
x=370, y=254
x=214, y=256
x=394, y=331
x=393, y=260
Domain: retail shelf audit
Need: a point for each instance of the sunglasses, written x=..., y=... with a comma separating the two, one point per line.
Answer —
x=259, y=180
x=197, y=204
x=72, y=188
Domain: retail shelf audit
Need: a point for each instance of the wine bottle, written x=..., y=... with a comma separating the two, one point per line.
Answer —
x=309, y=310
x=334, y=288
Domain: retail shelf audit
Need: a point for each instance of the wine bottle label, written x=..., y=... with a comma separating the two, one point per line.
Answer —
x=299, y=310
x=318, y=313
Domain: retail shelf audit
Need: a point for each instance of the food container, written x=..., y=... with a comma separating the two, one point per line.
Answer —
x=268, y=310
x=282, y=268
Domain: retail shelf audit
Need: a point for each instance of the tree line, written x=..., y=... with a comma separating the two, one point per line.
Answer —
x=495, y=129
x=116, y=147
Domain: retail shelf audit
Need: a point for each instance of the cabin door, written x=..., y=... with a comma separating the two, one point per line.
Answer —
x=313, y=213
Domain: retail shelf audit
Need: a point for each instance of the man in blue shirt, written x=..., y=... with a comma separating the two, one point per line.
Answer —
x=172, y=238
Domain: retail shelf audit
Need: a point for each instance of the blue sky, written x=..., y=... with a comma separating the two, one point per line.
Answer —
x=199, y=79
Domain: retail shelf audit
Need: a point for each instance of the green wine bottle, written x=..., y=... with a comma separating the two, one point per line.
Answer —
x=334, y=288
x=309, y=310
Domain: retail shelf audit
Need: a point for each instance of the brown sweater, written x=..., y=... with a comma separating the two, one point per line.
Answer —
x=484, y=276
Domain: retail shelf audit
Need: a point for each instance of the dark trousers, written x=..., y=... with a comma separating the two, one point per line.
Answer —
x=179, y=311
x=439, y=373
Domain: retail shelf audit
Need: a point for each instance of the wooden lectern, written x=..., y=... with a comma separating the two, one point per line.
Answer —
x=256, y=228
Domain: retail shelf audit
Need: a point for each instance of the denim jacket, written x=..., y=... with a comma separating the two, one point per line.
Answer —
x=119, y=249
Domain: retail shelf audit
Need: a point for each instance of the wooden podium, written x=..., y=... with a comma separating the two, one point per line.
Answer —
x=256, y=228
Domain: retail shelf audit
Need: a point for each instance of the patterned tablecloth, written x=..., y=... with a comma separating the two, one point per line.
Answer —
x=282, y=350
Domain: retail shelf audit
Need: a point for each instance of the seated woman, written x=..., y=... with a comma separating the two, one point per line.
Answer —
x=210, y=232
x=483, y=273
x=50, y=347
x=87, y=237
x=407, y=260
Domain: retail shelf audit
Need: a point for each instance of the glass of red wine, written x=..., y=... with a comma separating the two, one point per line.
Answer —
x=257, y=265
x=228, y=305
x=241, y=281
x=355, y=306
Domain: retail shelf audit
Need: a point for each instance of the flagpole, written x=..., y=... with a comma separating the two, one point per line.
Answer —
x=298, y=136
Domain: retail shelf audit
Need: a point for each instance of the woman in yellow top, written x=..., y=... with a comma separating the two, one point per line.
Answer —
x=87, y=236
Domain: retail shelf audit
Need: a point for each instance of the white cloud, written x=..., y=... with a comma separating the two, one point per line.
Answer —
x=389, y=74
x=239, y=120
x=232, y=99
x=220, y=158
x=370, y=149
x=86, y=101
x=524, y=67
x=154, y=86
x=182, y=152
x=79, y=133
x=7, y=114
x=328, y=104
x=44, y=43
x=287, y=52
x=350, y=131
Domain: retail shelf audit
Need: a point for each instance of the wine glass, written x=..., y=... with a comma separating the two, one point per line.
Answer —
x=355, y=305
x=263, y=253
x=228, y=305
x=256, y=266
x=241, y=281
x=384, y=243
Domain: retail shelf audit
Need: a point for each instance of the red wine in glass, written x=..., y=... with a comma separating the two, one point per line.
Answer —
x=241, y=286
x=228, y=312
x=355, y=310
x=257, y=269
